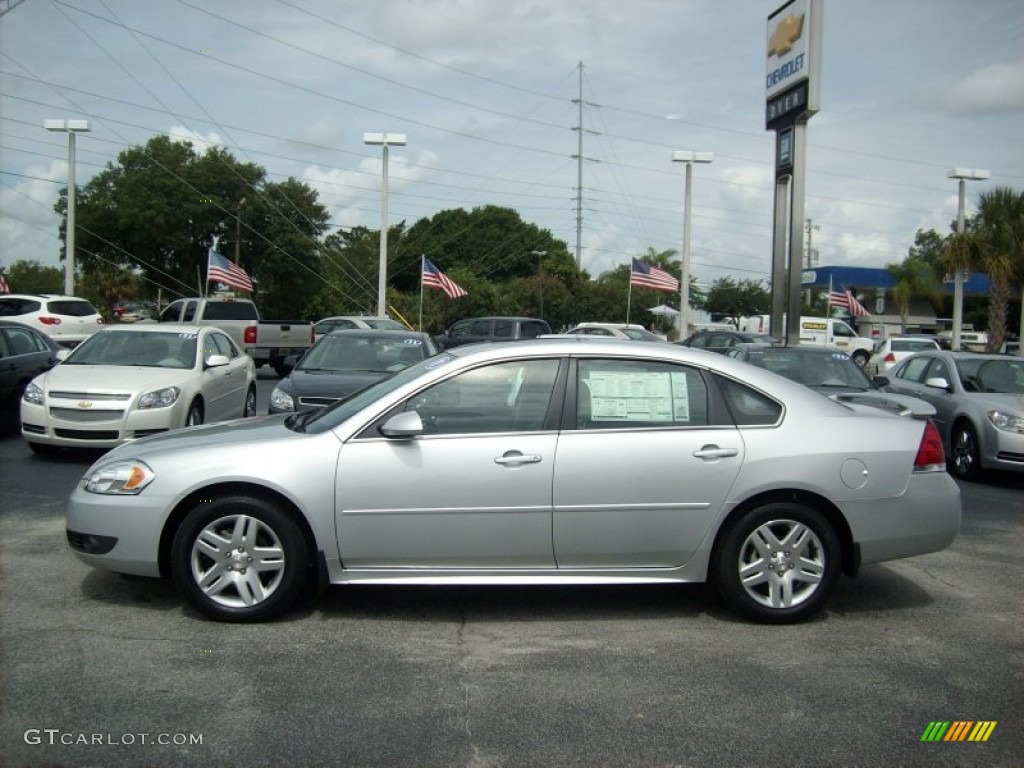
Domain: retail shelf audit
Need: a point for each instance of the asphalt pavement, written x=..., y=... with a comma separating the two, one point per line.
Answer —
x=101, y=670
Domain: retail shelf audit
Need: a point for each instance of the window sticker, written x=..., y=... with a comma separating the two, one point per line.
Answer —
x=639, y=396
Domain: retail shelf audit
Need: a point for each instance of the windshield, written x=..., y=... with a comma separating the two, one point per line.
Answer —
x=995, y=376
x=317, y=421
x=384, y=324
x=153, y=349
x=824, y=370
x=345, y=353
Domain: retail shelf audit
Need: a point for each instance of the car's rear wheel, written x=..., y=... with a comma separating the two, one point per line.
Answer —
x=966, y=458
x=250, y=402
x=239, y=558
x=195, y=414
x=860, y=357
x=778, y=563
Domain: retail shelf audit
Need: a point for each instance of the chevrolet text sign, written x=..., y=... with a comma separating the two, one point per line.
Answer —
x=794, y=59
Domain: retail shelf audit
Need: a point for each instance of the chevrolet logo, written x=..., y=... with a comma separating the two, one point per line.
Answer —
x=85, y=404
x=786, y=33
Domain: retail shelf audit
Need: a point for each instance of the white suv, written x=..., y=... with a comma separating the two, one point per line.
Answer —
x=67, y=320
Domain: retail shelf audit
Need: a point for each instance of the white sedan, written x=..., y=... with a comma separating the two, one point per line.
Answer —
x=128, y=382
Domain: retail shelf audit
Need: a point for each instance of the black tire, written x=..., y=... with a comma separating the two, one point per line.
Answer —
x=860, y=357
x=42, y=449
x=965, y=453
x=220, y=540
x=791, y=556
x=249, y=409
x=195, y=414
x=281, y=370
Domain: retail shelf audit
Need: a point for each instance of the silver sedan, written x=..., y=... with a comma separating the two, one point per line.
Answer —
x=542, y=462
x=979, y=404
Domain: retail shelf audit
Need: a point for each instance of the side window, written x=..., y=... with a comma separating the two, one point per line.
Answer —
x=223, y=345
x=461, y=329
x=172, y=312
x=505, y=397
x=531, y=329
x=504, y=329
x=480, y=328
x=939, y=370
x=190, y=312
x=913, y=369
x=700, y=341
x=748, y=406
x=842, y=329
x=22, y=342
x=17, y=307
x=625, y=394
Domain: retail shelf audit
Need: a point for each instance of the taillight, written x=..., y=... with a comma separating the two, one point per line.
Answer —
x=49, y=320
x=930, y=456
x=890, y=358
x=250, y=335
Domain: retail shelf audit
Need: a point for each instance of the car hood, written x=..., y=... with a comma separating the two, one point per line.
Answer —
x=248, y=430
x=111, y=378
x=330, y=383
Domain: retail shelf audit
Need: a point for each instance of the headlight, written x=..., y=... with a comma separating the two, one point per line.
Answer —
x=1008, y=422
x=123, y=478
x=33, y=394
x=281, y=400
x=160, y=398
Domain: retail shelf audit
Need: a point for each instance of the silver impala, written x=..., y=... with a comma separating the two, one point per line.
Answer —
x=541, y=462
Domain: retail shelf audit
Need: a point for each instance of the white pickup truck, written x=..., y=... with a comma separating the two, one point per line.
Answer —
x=267, y=342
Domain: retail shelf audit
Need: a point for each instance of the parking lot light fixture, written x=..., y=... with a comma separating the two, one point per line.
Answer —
x=962, y=174
x=688, y=157
x=385, y=140
x=70, y=127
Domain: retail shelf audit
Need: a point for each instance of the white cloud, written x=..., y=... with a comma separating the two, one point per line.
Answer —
x=201, y=142
x=997, y=88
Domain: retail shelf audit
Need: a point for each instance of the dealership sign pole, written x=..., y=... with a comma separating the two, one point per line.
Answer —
x=793, y=86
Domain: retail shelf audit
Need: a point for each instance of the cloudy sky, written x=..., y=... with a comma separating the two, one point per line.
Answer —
x=485, y=91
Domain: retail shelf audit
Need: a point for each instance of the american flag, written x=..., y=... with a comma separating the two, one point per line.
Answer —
x=4, y=287
x=220, y=270
x=435, y=278
x=846, y=300
x=646, y=276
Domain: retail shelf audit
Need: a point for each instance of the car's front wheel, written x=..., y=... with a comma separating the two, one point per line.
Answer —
x=195, y=414
x=966, y=458
x=778, y=563
x=250, y=402
x=239, y=558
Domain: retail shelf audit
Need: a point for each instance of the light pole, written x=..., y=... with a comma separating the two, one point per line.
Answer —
x=385, y=140
x=963, y=174
x=70, y=127
x=540, y=277
x=684, y=156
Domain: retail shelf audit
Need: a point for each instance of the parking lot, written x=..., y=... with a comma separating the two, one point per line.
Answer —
x=101, y=670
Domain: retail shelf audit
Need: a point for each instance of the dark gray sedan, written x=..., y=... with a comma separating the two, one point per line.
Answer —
x=343, y=362
x=979, y=406
x=24, y=354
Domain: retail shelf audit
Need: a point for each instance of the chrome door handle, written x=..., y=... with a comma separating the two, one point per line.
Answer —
x=515, y=457
x=714, y=452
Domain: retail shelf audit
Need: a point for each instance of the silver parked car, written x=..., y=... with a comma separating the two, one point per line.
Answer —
x=979, y=404
x=541, y=462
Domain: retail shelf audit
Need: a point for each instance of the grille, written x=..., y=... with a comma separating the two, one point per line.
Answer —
x=318, y=402
x=147, y=432
x=85, y=416
x=88, y=434
x=93, y=396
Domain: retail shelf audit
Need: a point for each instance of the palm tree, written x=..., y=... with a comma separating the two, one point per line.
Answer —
x=914, y=277
x=999, y=236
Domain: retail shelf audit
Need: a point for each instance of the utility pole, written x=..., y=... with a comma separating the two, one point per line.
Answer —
x=579, y=158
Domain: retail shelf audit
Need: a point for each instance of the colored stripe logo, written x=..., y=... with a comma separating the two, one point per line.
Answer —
x=958, y=730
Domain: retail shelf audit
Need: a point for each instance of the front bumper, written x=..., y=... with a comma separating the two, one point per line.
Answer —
x=68, y=425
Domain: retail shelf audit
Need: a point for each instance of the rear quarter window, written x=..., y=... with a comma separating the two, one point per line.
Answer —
x=71, y=308
x=16, y=307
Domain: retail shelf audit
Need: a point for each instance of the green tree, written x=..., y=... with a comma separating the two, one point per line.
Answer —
x=914, y=278
x=737, y=298
x=999, y=246
x=25, y=276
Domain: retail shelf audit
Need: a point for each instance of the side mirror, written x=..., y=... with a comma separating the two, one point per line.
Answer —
x=939, y=383
x=216, y=361
x=403, y=425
